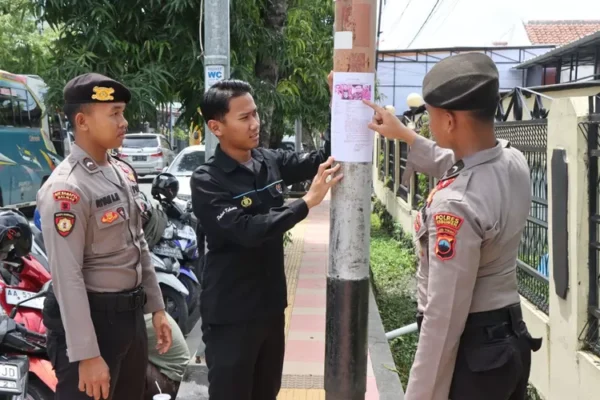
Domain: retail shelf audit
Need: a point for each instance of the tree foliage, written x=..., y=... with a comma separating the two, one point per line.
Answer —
x=24, y=44
x=282, y=47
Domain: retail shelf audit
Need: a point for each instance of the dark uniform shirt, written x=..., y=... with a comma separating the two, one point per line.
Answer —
x=244, y=217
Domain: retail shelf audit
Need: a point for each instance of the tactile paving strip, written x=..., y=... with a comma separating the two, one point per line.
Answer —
x=293, y=259
x=302, y=382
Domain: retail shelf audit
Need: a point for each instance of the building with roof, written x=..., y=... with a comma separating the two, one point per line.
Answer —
x=576, y=61
x=549, y=32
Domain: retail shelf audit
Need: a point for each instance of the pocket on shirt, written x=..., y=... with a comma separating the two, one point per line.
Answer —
x=110, y=232
x=276, y=191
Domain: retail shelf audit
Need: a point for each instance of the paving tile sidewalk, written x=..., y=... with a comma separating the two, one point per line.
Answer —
x=306, y=271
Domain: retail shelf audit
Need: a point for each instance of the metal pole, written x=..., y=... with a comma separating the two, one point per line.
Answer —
x=298, y=136
x=216, y=54
x=348, y=275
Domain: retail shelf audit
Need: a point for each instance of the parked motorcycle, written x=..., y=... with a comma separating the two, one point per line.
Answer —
x=17, y=343
x=164, y=242
x=177, y=240
x=23, y=286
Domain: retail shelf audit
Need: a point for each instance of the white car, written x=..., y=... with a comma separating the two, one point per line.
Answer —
x=183, y=166
x=148, y=153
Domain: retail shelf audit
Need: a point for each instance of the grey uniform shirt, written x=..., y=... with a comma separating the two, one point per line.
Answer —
x=93, y=235
x=468, y=236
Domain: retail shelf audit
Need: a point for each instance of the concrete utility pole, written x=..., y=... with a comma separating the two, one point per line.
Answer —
x=348, y=274
x=216, y=54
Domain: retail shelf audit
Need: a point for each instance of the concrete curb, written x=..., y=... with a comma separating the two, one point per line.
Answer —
x=388, y=381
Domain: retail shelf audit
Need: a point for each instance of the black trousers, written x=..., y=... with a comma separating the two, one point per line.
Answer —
x=123, y=343
x=494, y=357
x=245, y=361
x=491, y=370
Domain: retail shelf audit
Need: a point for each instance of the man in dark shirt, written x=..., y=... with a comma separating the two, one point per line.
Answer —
x=238, y=199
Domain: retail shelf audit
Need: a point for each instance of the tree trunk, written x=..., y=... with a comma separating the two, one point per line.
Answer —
x=267, y=62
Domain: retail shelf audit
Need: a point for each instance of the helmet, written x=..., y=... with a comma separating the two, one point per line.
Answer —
x=15, y=233
x=165, y=184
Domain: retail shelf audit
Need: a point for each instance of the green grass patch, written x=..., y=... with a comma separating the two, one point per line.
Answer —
x=393, y=267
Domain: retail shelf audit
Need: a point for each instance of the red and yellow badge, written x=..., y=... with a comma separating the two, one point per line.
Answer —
x=441, y=185
x=447, y=226
x=109, y=217
x=418, y=222
x=66, y=195
x=128, y=172
x=131, y=177
x=64, y=222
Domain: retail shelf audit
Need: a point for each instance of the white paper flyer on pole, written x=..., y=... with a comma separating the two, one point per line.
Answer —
x=351, y=139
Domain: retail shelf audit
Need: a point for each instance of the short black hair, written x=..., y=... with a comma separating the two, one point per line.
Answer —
x=485, y=115
x=215, y=103
x=71, y=110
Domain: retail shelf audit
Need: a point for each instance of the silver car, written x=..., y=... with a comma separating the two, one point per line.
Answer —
x=186, y=162
x=148, y=153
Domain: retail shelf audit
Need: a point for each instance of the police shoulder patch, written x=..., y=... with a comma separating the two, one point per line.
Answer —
x=64, y=222
x=447, y=226
x=66, y=195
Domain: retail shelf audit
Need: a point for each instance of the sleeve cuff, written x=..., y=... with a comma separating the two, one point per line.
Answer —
x=83, y=352
x=299, y=208
x=153, y=305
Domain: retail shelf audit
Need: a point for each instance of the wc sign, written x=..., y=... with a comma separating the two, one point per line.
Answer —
x=213, y=74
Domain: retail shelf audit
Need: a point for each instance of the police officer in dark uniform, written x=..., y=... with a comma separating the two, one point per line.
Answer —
x=103, y=278
x=473, y=342
x=238, y=197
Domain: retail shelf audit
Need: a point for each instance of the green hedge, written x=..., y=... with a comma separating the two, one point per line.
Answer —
x=393, y=267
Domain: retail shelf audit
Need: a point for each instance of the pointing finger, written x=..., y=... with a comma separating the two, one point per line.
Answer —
x=374, y=106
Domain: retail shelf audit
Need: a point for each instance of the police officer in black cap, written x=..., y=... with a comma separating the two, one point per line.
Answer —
x=103, y=278
x=473, y=343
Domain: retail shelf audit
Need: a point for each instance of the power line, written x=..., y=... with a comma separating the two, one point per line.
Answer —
x=424, y=23
x=397, y=20
x=452, y=7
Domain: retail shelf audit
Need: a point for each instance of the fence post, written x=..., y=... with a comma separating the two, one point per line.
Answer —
x=568, y=316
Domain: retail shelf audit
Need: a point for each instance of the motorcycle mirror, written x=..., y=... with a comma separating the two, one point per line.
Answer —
x=43, y=291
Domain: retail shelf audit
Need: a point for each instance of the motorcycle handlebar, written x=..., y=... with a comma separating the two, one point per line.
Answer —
x=27, y=333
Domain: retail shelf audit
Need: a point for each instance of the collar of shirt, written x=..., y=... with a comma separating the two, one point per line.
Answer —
x=228, y=164
x=78, y=155
x=481, y=157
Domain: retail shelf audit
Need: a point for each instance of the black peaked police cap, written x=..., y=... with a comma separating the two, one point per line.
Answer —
x=95, y=88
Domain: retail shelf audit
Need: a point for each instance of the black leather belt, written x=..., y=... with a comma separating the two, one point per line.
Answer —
x=496, y=324
x=118, y=302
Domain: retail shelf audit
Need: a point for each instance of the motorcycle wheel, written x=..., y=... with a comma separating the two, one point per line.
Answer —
x=37, y=390
x=176, y=306
x=193, y=299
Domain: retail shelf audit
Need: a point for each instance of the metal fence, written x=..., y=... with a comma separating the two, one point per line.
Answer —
x=529, y=137
x=591, y=131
